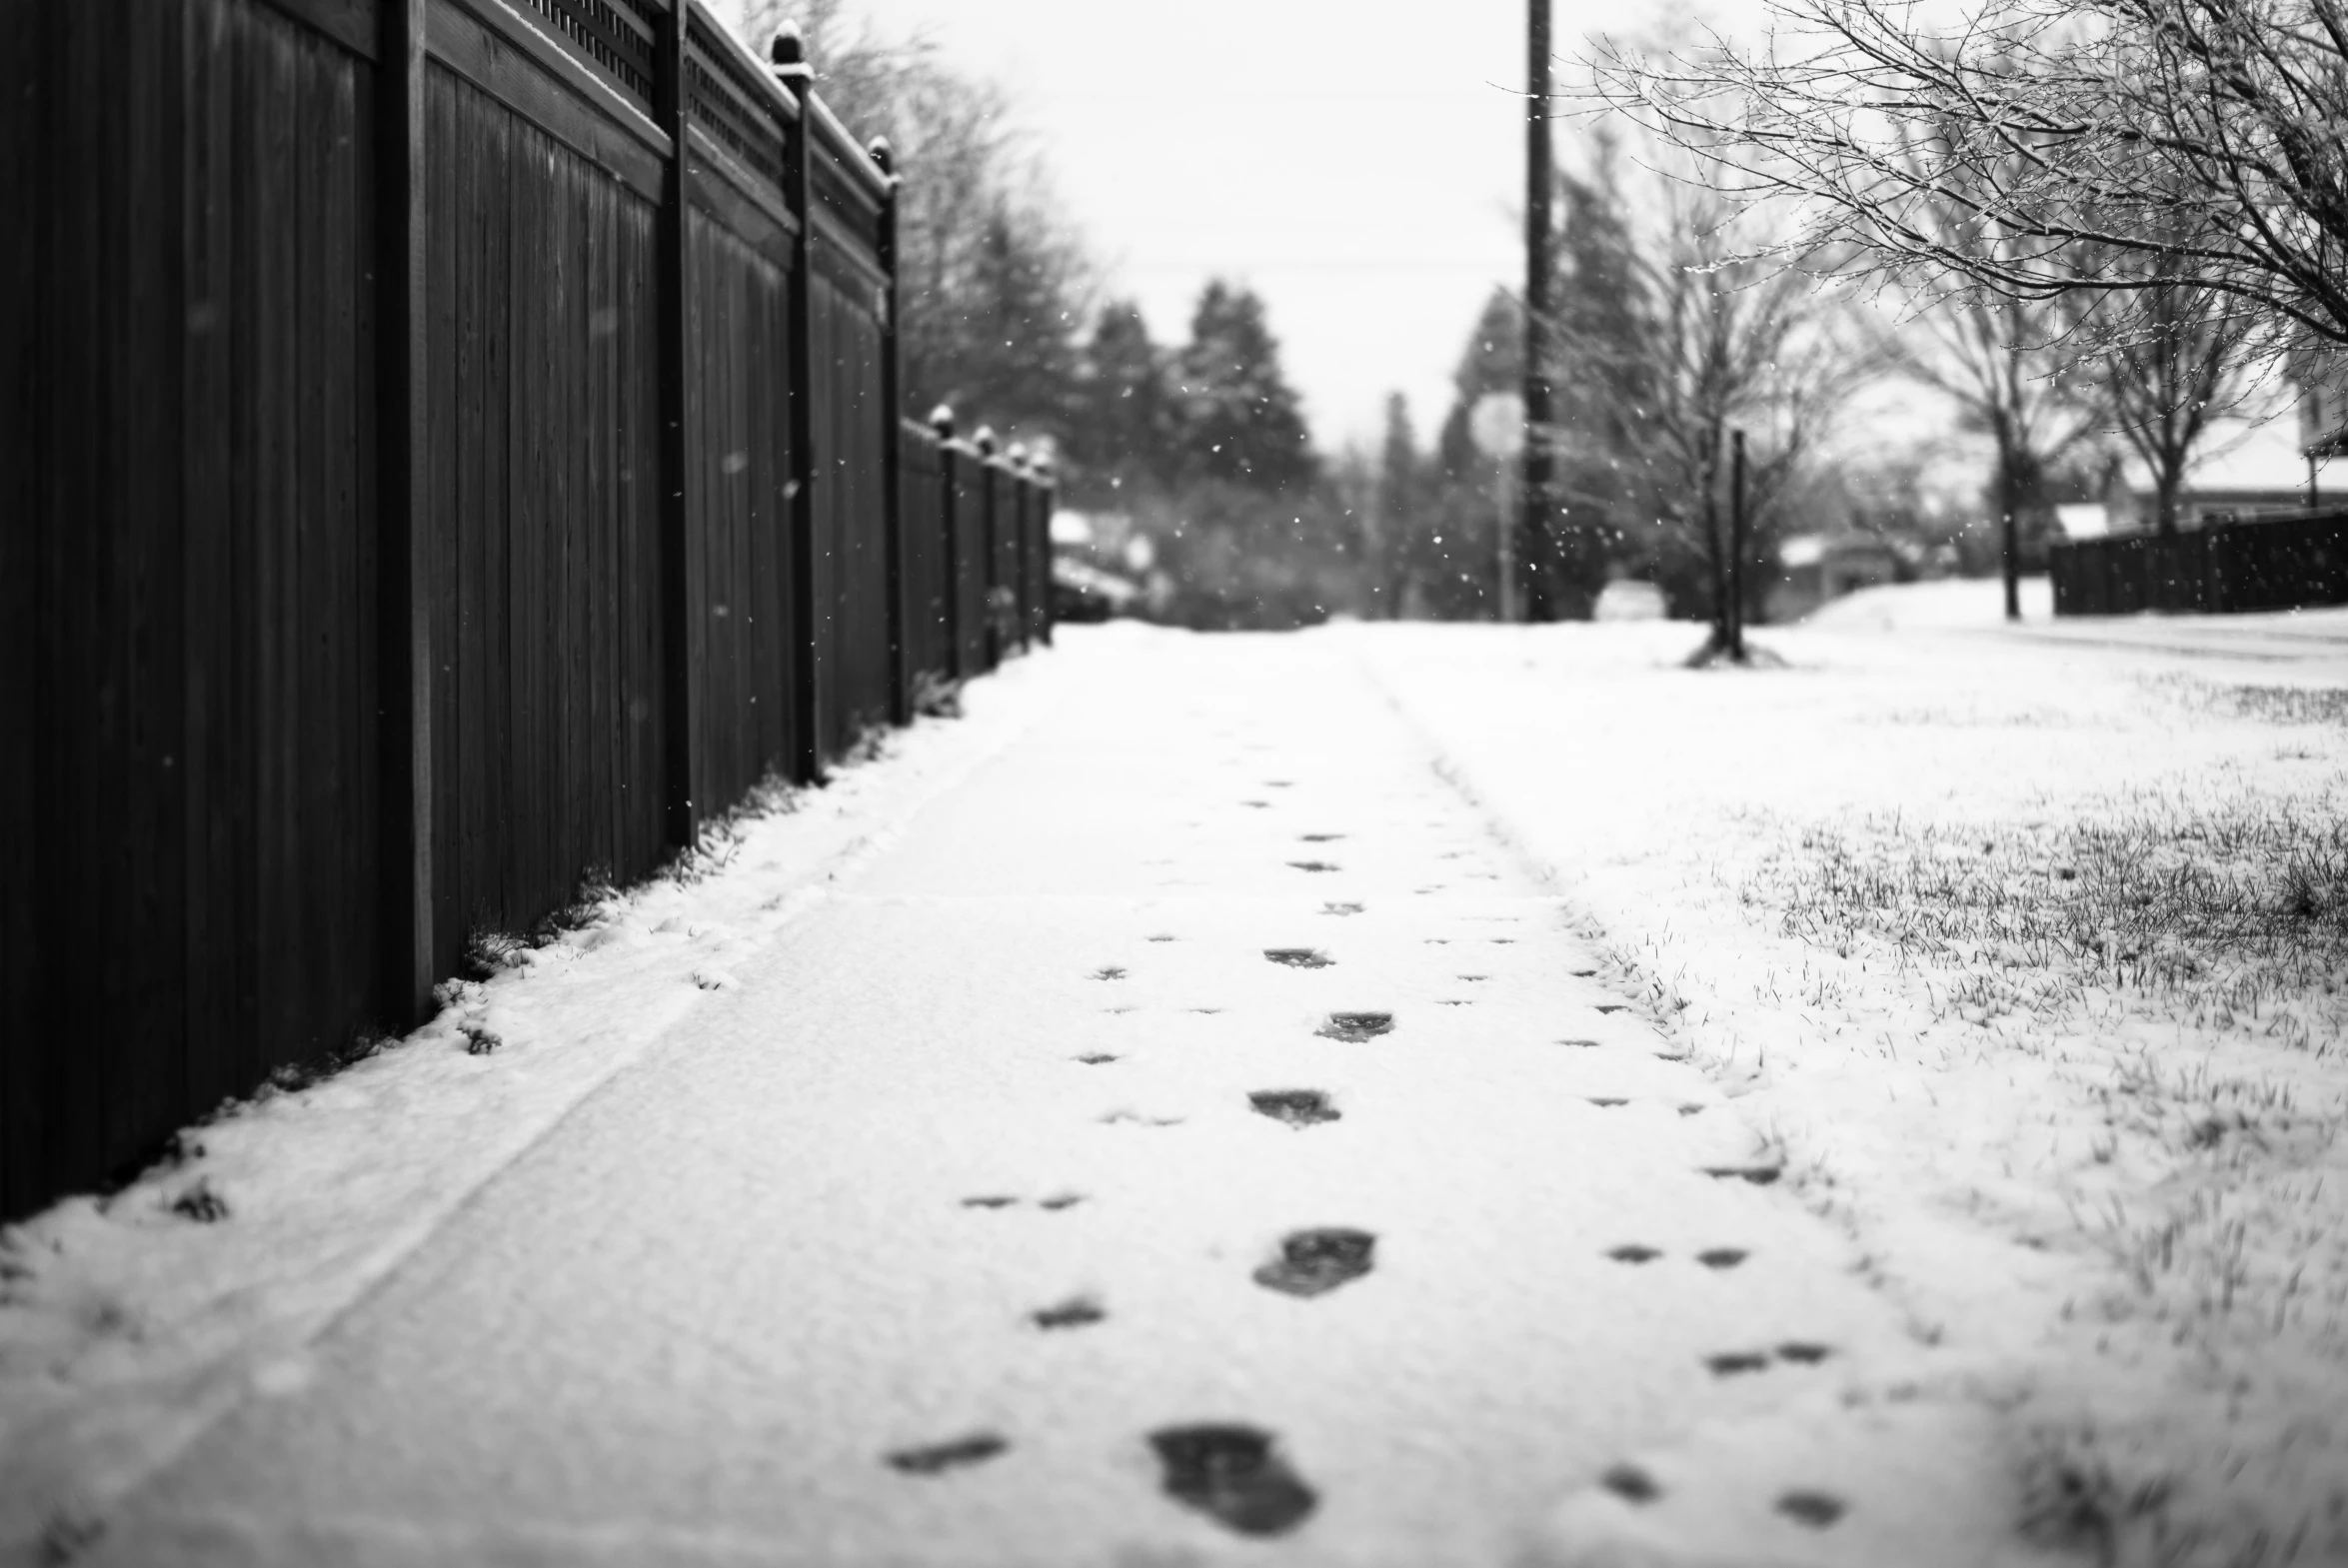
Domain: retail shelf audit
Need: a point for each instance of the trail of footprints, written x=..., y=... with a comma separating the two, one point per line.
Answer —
x=1236, y=1474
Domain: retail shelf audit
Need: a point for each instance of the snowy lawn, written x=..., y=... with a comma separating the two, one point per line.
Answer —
x=2030, y=947
x=130, y=1322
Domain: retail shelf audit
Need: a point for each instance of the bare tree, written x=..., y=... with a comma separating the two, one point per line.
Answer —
x=1715, y=336
x=2165, y=374
x=2119, y=146
x=997, y=287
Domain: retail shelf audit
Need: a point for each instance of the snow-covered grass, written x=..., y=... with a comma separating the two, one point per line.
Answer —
x=2032, y=954
x=130, y=1322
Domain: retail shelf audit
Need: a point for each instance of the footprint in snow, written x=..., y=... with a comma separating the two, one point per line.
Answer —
x=1300, y=1108
x=937, y=1458
x=1235, y=1475
x=1074, y=1312
x=1816, y=1509
x=1631, y=1484
x=1315, y=1262
x=1355, y=1028
x=1343, y=908
x=1298, y=958
x=1314, y=866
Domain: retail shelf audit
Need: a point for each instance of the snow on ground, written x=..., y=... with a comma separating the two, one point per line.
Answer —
x=2022, y=948
x=1977, y=601
x=1200, y=1078
x=128, y=1324
x=2031, y=947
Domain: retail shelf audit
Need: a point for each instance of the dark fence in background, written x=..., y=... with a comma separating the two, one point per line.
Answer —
x=448, y=451
x=2264, y=563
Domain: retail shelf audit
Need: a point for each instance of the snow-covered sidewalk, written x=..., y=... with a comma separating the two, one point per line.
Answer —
x=1192, y=1137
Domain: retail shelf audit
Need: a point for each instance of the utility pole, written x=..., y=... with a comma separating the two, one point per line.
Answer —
x=1536, y=552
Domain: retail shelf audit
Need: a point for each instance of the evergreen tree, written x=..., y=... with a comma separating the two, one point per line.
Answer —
x=1014, y=364
x=1602, y=341
x=1240, y=421
x=1400, y=497
x=1119, y=436
x=1494, y=361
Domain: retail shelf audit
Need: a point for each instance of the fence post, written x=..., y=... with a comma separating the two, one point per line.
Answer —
x=893, y=451
x=1047, y=502
x=680, y=563
x=989, y=544
x=404, y=532
x=950, y=564
x=788, y=54
x=1022, y=579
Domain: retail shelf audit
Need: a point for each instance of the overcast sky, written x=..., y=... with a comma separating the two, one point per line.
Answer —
x=1358, y=162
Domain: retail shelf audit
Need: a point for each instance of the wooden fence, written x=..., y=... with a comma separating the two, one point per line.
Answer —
x=449, y=449
x=2265, y=564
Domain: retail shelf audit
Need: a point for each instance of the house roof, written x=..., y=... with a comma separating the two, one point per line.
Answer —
x=2259, y=459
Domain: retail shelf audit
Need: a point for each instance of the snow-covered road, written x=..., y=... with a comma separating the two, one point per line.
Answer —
x=1059, y=1193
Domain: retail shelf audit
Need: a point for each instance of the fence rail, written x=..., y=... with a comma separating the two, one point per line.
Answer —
x=449, y=449
x=2269, y=563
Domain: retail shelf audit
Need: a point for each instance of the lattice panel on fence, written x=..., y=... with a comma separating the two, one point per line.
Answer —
x=617, y=37
x=734, y=109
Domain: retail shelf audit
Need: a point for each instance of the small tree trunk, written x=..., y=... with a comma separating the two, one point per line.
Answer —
x=1737, y=550
x=2166, y=487
x=2010, y=536
x=1714, y=548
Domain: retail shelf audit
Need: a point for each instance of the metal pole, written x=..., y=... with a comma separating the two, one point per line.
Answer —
x=1736, y=546
x=1507, y=522
x=1536, y=555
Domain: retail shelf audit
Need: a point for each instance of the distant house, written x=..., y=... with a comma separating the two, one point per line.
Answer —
x=1815, y=568
x=2323, y=406
x=2083, y=520
x=2265, y=471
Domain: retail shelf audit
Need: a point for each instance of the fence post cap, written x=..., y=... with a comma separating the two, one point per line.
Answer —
x=1018, y=455
x=882, y=155
x=985, y=440
x=1042, y=465
x=786, y=51
x=942, y=421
